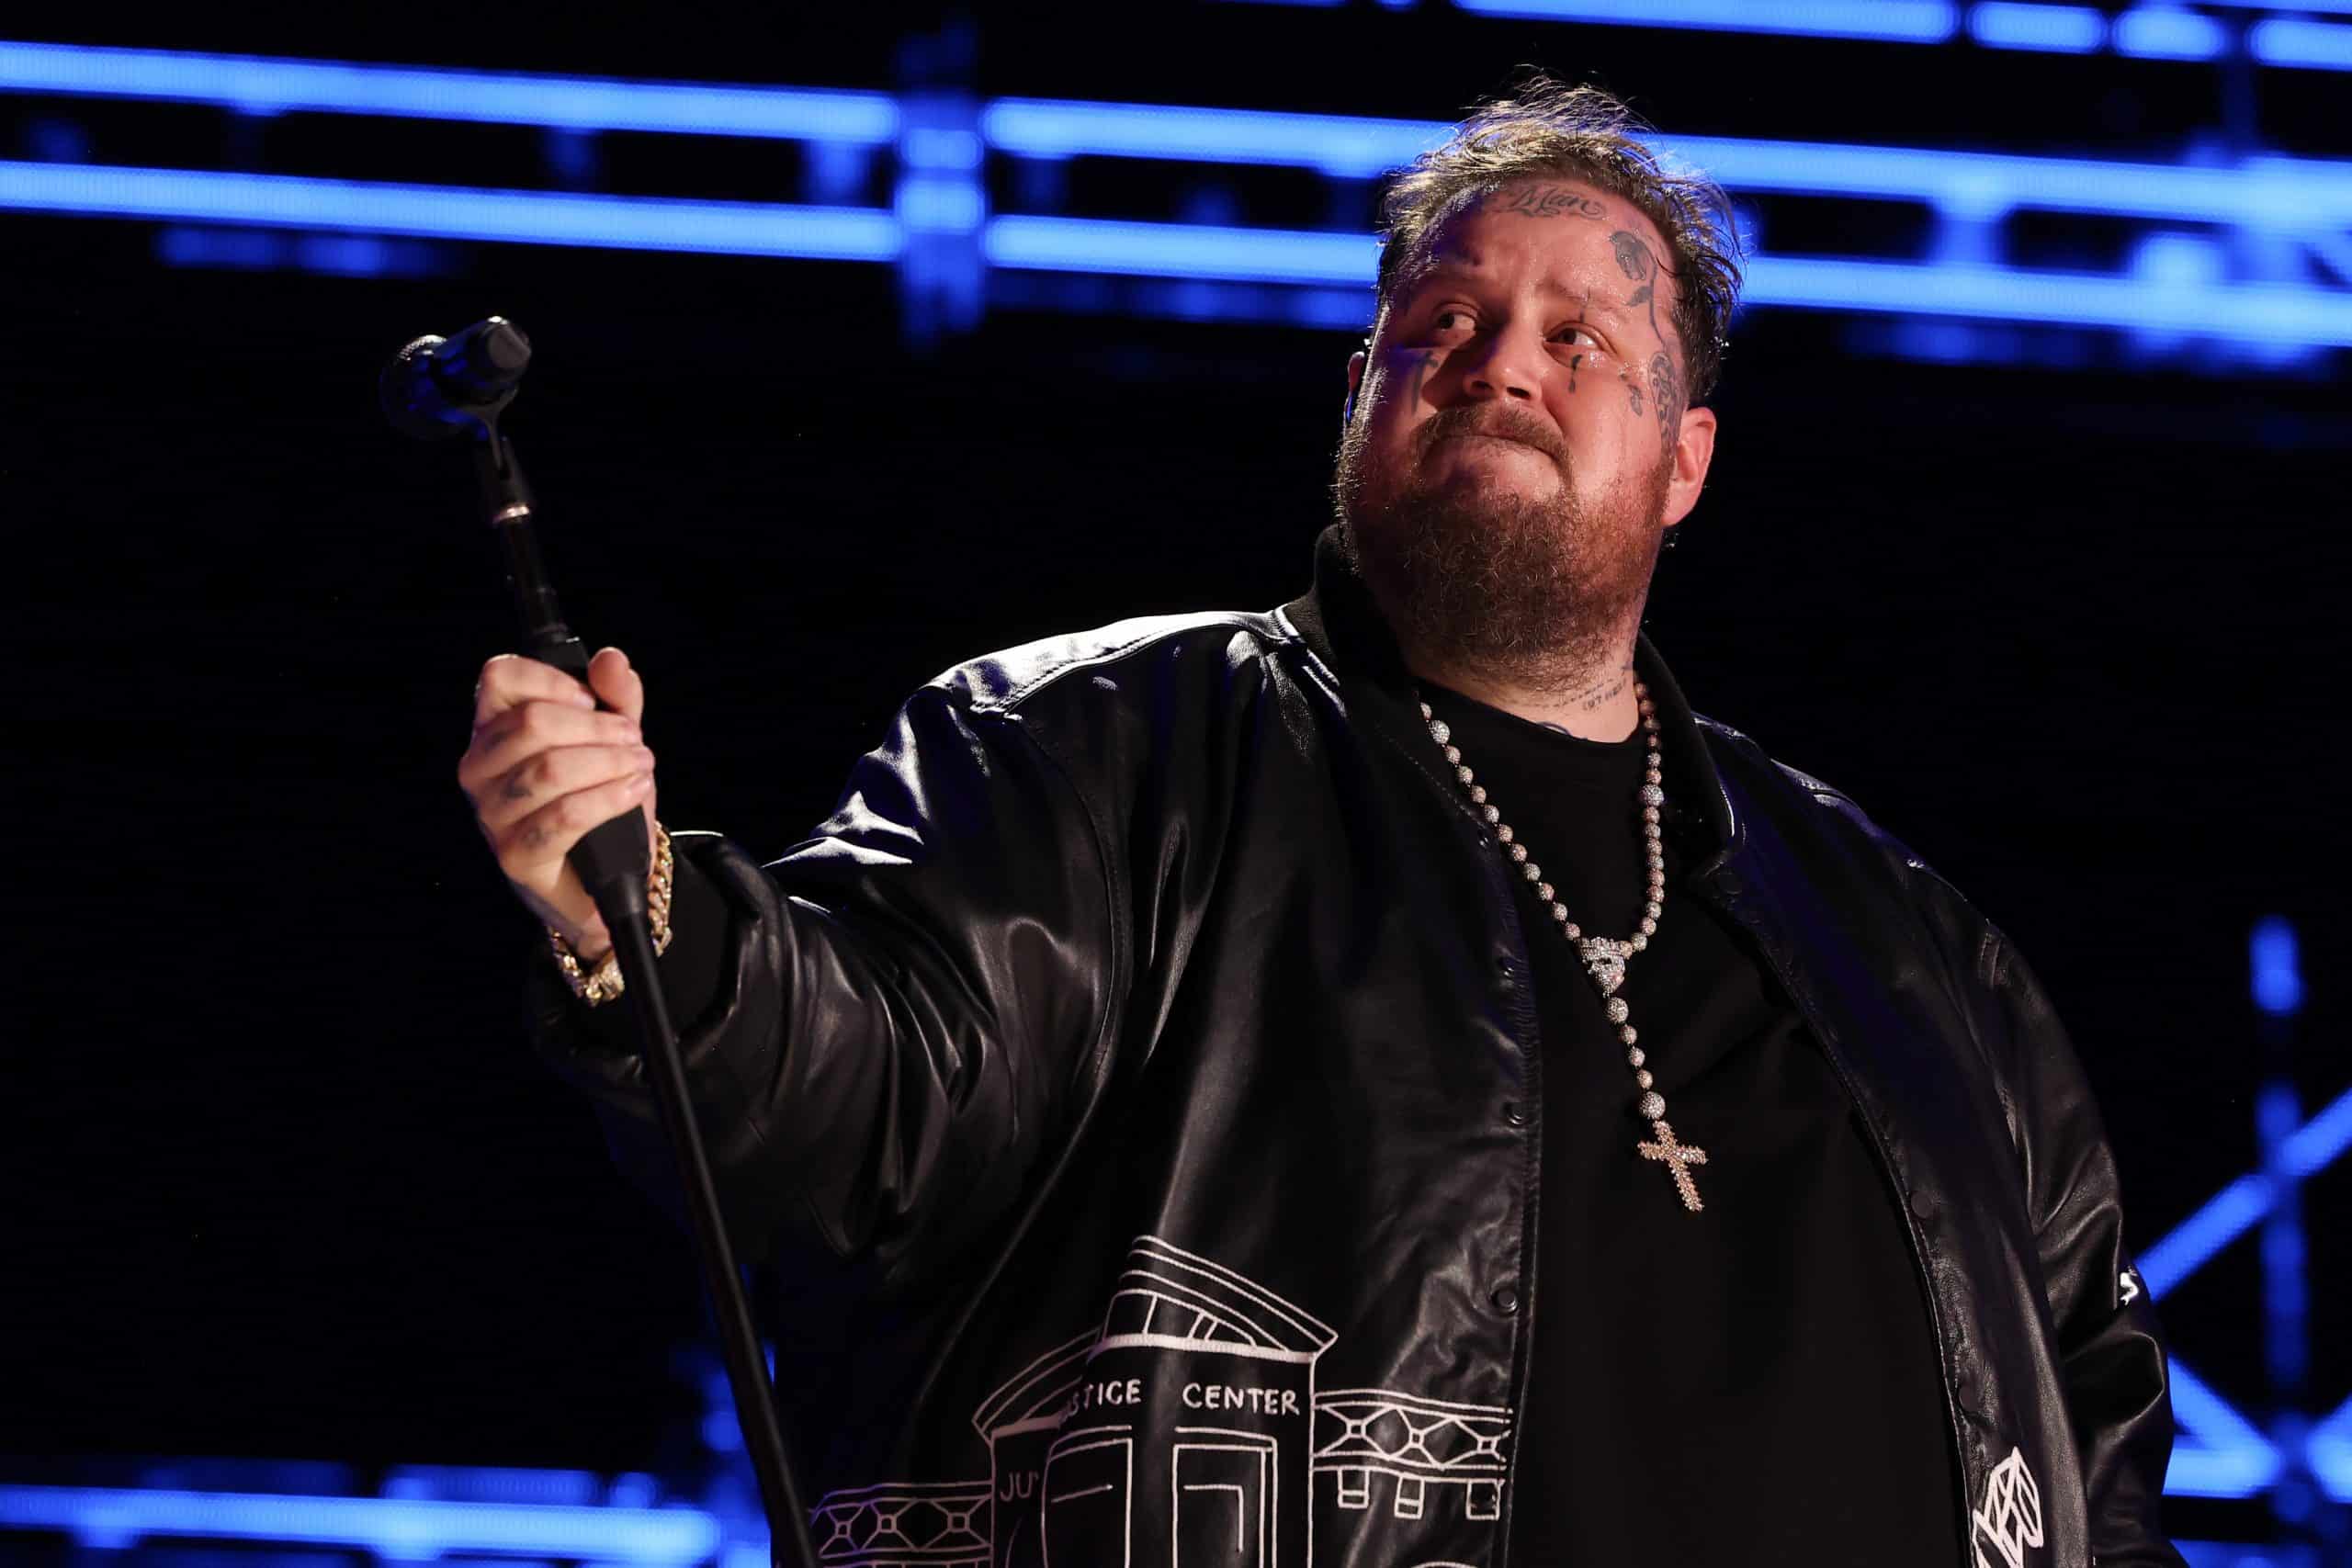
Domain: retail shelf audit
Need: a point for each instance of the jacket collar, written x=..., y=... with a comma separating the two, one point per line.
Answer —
x=1340, y=623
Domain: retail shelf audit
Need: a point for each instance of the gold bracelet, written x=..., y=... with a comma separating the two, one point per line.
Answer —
x=605, y=983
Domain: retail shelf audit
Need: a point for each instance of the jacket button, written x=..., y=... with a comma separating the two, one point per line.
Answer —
x=1513, y=1114
x=1506, y=1300
x=1923, y=1205
x=1727, y=882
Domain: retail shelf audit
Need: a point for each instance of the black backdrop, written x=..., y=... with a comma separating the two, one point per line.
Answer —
x=281, y=1178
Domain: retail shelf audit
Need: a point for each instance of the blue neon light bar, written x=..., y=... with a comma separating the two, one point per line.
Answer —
x=532, y=218
x=2291, y=40
x=2064, y=29
x=2283, y=193
x=2151, y=32
x=2338, y=8
x=2253, y=312
x=1346, y=145
x=404, y=1529
x=263, y=85
x=1896, y=21
x=1181, y=250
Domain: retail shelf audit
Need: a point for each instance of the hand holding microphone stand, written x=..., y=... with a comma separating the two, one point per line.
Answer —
x=437, y=387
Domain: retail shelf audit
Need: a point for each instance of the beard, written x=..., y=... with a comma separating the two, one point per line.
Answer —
x=1535, y=592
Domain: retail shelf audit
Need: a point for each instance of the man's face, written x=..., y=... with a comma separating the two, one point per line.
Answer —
x=1520, y=441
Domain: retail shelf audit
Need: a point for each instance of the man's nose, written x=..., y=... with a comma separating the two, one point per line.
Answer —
x=1504, y=366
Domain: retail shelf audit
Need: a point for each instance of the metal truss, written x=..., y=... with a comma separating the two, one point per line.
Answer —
x=2256, y=253
x=2220, y=1454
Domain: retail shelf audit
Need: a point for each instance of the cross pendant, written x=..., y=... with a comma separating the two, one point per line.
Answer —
x=1679, y=1158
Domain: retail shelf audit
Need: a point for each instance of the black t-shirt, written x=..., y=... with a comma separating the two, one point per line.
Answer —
x=1753, y=1383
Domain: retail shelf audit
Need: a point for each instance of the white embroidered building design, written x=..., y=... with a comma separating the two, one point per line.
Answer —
x=1225, y=1474
x=1019, y=1422
x=1185, y=1430
x=903, y=1525
x=1418, y=1442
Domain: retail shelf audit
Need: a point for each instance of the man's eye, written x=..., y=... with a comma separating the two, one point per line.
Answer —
x=1581, y=337
x=1445, y=320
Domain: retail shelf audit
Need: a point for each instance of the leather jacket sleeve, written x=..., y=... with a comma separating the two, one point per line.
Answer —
x=905, y=1004
x=2117, y=1380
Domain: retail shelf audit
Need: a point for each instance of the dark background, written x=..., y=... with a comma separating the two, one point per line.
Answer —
x=282, y=1178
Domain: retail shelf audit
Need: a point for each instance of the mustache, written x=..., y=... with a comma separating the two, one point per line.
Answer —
x=1504, y=424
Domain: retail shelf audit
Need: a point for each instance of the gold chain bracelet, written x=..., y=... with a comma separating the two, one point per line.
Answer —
x=605, y=982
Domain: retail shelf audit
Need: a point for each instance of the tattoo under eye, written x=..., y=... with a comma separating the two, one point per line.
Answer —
x=1422, y=364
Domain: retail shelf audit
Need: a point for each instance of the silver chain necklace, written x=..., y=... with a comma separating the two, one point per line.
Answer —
x=1604, y=958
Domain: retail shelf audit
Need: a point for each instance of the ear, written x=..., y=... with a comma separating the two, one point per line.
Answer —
x=1355, y=381
x=1694, y=448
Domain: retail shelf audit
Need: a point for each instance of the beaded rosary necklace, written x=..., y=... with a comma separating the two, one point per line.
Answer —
x=1605, y=958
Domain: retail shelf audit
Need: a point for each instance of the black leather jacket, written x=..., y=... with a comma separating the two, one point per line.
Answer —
x=1119, y=1079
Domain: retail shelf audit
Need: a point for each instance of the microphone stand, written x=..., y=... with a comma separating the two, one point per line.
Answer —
x=613, y=862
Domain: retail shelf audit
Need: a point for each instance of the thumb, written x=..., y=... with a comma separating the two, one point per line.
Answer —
x=613, y=679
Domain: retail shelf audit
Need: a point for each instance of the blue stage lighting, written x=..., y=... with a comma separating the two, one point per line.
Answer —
x=2329, y=1451
x=2291, y=40
x=2278, y=978
x=2285, y=193
x=1178, y=250
x=2153, y=32
x=2320, y=1141
x=261, y=85
x=2241, y=1205
x=1345, y=145
x=940, y=207
x=2227, y=1457
x=535, y=218
x=402, y=1530
x=2336, y=7
x=1894, y=21
x=2252, y=312
x=2065, y=29
x=2221, y=1219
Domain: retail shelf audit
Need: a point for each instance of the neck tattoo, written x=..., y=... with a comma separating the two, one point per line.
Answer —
x=1604, y=958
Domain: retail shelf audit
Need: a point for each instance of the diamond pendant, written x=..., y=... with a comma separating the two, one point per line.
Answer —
x=1604, y=960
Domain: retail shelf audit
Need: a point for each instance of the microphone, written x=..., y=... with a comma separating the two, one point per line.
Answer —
x=432, y=390
x=435, y=387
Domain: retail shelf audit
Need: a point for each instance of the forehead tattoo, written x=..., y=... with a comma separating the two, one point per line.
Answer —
x=1543, y=202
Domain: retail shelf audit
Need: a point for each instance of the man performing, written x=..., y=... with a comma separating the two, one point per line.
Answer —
x=1380, y=1082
